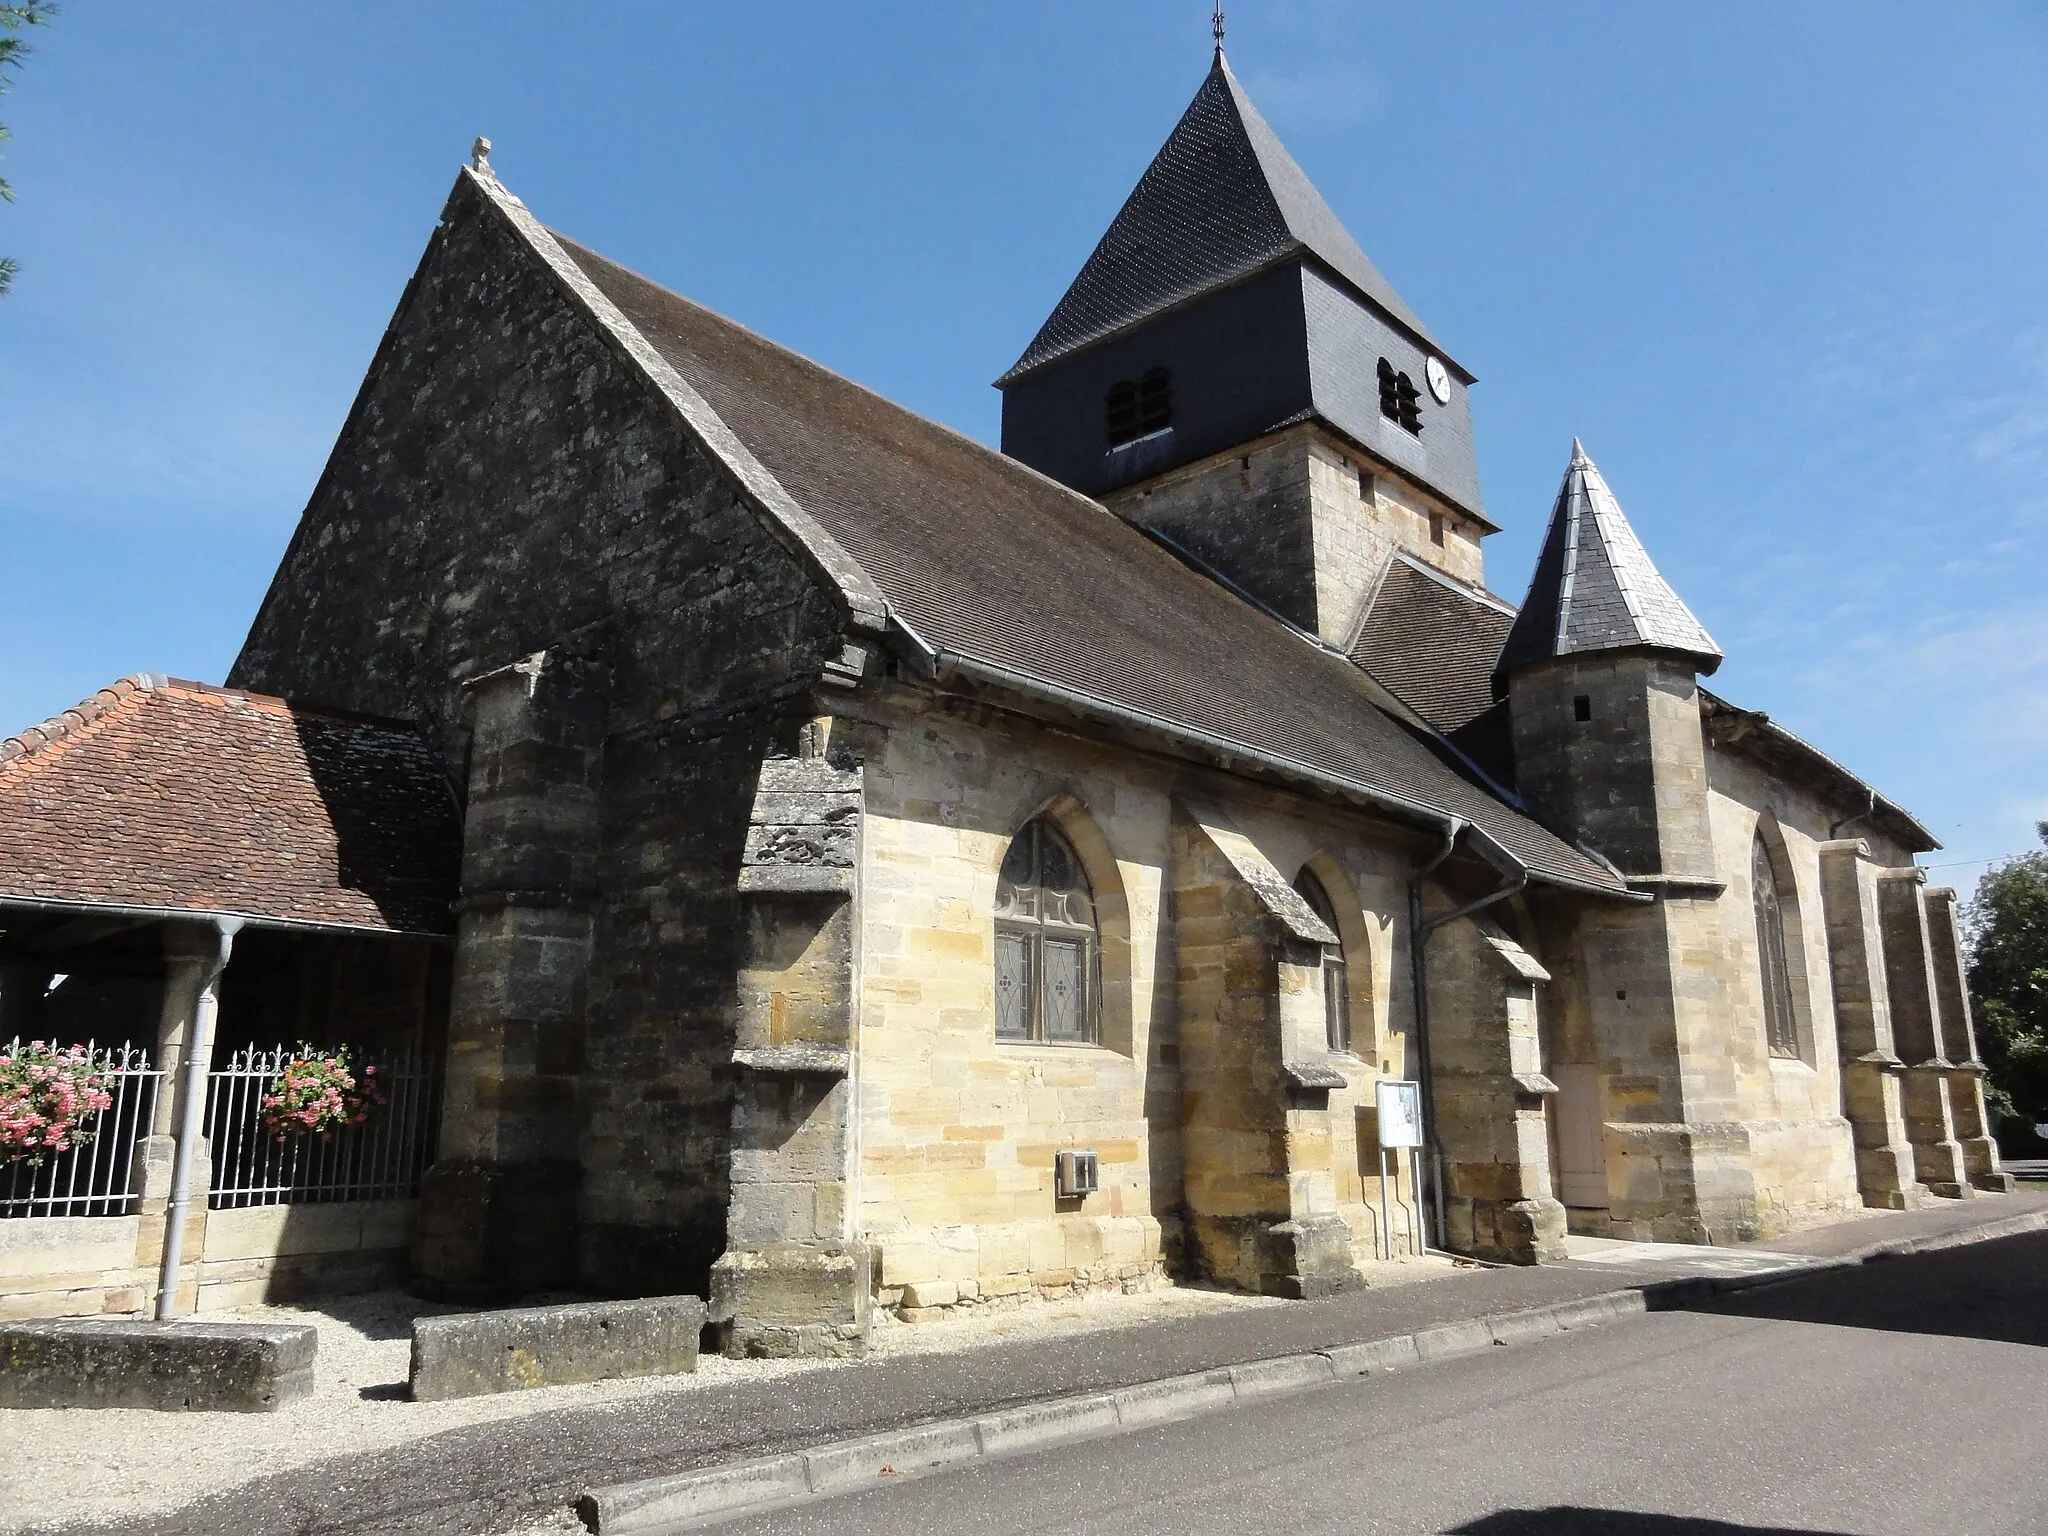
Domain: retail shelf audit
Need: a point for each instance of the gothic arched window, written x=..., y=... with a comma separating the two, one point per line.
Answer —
x=1781, y=1025
x=1336, y=979
x=1045, y=942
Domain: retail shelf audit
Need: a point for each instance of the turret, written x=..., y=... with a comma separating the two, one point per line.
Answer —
x=1601, y=673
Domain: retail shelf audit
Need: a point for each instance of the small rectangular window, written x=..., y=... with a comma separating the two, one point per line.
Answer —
x=1582, y=707
x=1436, y=528
x=1365, y=486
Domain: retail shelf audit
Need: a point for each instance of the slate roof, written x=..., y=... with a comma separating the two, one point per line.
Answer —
x=990, y=561
x=167, y=794
x=1221, y=199
x=1595, y=588
x=1433, y=641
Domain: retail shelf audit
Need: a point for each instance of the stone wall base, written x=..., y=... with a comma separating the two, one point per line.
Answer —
x=788, y=1299
x=1506, y=1231
x=1301, y=1259
x=934, y=1300
x=489, y=1231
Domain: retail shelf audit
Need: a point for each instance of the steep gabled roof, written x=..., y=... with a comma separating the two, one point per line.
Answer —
x=1595, y=588
x=1433, y=641
x=996, y=567
x=176, y=796
x=1220, y=200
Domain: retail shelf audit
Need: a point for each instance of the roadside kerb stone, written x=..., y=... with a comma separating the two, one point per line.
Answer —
x=1375, y=1355
x=1177, y=1397
x=184, y=1367
x=857, y=1463
x=1288, y=1373
x=1454, y=1339
x=471, y=1353
x=1039, y=1424
x=660, y=1503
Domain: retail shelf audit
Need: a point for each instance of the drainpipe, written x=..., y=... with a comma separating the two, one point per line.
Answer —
x=192, y=1118
x=1515, y=876
x=1846, y=822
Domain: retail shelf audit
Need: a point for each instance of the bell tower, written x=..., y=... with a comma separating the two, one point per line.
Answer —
x=1230, y=371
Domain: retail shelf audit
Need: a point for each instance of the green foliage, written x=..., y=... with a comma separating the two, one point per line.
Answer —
x=2008, y=927
x=13, y=17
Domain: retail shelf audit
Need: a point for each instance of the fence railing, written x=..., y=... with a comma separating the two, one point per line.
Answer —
x=381, y=1159
x=98, y=1177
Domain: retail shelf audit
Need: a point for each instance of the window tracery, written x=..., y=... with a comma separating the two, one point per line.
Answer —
x=1047, y=942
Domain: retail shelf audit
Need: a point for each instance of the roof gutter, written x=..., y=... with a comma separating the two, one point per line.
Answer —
x=937, y=664
x=199, y=915
x=940, y=664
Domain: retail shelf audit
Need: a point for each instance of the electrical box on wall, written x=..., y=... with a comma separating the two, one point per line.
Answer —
x=1075, y=1173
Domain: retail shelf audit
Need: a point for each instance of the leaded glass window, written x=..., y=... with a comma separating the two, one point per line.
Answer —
x=1336, y=980
x=1781, y=1027
x=1046, y=942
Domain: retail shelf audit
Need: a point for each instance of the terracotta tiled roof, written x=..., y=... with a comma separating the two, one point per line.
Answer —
x=167, y=794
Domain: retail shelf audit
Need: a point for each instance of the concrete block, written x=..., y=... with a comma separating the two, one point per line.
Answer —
x=1376, y=1355
x=1176, y=1397
x=661, y=1503
x=472, y=1353
x=856, y=1463
x=1285, y=1374
x=1036, y=1424
x=1453, y=1339
x=130, y=1363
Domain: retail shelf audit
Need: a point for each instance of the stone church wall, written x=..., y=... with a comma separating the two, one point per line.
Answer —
x=958, y=1131
x=507, y=485
x=1801, y=1145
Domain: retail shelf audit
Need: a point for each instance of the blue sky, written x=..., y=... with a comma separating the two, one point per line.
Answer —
x=1781, y=266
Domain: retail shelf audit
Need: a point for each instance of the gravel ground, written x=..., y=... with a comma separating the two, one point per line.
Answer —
x=59, y=1466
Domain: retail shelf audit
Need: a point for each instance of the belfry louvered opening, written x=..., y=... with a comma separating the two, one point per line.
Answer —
x=1400, y=400
x=1047, y=944
x=1136, y=408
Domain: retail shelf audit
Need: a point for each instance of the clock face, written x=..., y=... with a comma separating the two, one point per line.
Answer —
x=1439, y=381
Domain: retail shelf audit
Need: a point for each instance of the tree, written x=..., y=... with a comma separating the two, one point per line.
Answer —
x=2007, y=921
x=27, y=13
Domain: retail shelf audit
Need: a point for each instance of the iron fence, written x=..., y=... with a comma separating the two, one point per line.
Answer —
x=97, y=1177
x=381, y=1159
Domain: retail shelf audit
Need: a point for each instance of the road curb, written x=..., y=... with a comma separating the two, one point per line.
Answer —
x=654, y=1505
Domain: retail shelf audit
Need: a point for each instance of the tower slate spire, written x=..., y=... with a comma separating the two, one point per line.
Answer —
x=1595, y=588
x=1221, y=200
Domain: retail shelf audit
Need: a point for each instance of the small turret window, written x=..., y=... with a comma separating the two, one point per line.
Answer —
x=1136, y=408
x=1400, y=400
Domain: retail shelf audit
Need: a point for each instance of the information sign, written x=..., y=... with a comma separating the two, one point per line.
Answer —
x=1400, y=1106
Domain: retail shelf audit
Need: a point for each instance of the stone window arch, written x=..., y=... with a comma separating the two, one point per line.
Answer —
x=1770, y=896
x=1336, y=973
x=1048, y=943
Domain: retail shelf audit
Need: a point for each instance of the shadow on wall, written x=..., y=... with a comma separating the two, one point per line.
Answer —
x=1996, y=1291
x=1569, y=1520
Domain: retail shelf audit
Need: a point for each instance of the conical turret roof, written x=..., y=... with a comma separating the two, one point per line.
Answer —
x=1595, y=588
x=1220, y=200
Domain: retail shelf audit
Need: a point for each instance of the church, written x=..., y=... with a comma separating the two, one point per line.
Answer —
x=827, y=864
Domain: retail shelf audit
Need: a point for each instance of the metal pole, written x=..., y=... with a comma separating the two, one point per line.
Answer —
x=1386, y=1211
x=191, y=1120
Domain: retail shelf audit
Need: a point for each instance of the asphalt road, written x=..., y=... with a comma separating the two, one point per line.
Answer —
x=1907, y=1396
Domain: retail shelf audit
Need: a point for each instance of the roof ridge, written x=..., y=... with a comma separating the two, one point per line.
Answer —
x=855, y=586
x=995, y=456
x=1445, y=578
x=86, y=712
